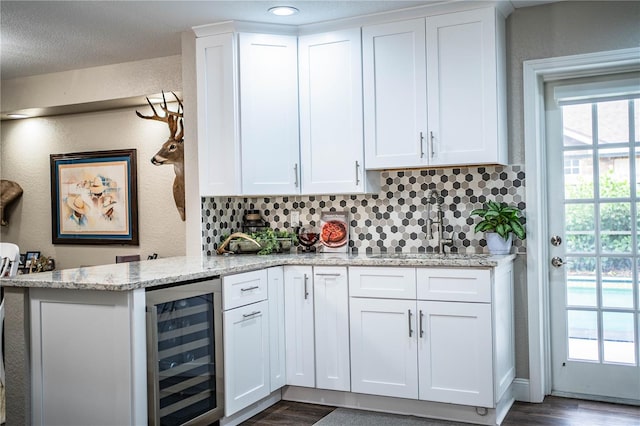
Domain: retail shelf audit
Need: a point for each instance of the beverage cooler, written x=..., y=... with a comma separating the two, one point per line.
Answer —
x=184, y=354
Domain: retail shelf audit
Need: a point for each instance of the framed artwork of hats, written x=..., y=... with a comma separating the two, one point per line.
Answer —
x=94, y=198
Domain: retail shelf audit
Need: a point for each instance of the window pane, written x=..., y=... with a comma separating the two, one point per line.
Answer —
x=613, y=122
x=613, y=167
x=580, y=228
x=619, y=341
x=583, y=335
x=617, y=282
x=578, y=178
x=615, y=227
x=577, y=125
x=581, y=281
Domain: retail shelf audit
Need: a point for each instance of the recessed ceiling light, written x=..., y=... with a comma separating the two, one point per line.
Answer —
x=17, y=116
x=283, y=10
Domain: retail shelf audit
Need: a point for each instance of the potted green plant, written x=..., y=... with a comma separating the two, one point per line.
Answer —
x=500, y=221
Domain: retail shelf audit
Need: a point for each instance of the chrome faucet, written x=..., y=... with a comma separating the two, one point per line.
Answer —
x=439, y=221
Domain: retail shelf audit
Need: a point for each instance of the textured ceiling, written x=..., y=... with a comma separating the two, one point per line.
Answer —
x=39, y=37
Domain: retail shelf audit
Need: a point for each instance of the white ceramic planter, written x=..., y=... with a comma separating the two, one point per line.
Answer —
x=498, y=245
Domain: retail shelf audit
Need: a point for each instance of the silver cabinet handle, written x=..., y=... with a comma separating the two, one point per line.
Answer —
x=327, y=275
x=252, y=314
x=433, y=150
x=421, y=329
x=250, y=288
x=295, y=172
x=421, y=145
x=357, y=173
x=410, y=330
x=306, y=288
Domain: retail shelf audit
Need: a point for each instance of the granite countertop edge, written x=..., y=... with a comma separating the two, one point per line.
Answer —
x=159, y=272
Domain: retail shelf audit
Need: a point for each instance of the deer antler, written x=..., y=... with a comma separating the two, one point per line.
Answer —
x=172, y=118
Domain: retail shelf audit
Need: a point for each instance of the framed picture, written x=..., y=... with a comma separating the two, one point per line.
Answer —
x=23, y=258
x=94, y=198
x=31, y=257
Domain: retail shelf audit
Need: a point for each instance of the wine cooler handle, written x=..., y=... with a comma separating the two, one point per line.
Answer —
x=153, y=384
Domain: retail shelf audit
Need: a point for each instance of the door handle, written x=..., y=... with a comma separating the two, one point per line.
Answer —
x=357, y=173
x=295, y=174
x=306, y=288
x=557, y=262
x=421, y=328
x=410, y=330
x=421, y=145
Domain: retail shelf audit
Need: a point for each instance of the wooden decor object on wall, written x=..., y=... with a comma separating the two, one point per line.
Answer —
x=10, y=192
x=172, y=151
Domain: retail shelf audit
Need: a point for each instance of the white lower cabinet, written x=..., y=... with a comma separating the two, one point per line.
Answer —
x=384, y=347
x=299, y=328
x=331, y=302
x=277, y=359
x=442, y=350
x=454, y=353
x=247, y=367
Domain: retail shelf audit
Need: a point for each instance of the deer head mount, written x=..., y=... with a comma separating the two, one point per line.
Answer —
x=172, y=151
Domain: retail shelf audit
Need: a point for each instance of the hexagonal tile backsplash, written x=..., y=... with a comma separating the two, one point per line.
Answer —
x=394, y=220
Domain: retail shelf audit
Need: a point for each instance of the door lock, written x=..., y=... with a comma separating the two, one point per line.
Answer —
x=556, y=240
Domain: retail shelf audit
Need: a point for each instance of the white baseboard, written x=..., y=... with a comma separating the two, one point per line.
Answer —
x=521, y=390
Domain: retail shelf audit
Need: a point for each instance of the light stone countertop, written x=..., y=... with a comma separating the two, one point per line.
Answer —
x=151, y=273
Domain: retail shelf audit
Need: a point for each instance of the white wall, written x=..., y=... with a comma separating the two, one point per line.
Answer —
x=27, y=144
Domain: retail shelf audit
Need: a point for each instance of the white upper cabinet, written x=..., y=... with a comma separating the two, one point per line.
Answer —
x=466, y=88
x=269, y=114
x=247, y=114
x=434, y=91
x=218, y=139
x=331, y=139
x=395, y=94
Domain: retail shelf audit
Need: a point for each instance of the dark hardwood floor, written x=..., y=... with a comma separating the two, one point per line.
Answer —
x=554, y=411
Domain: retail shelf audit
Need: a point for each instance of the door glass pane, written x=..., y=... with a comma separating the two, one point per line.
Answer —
x=578, y=174
x=577, y=125
x=614, y=173
x=581, y=281
x=583, y=335
x=580, y=228
x=613, y=122
x=618, y=336
x=636, y=119
x=617, y=282
x=615, y=227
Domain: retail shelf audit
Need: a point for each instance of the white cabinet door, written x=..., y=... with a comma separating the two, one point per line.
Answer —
x=465, y=78
x=246, y=355
x=299, y=328
x=455, y=353
x=384, y=347
x=331, y=141
x=276, y=327
x=395, y=94
x=331, y=299
x=269, y=114
x=218, y=138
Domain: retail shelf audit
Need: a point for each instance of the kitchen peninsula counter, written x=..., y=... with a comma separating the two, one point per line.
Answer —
x=99, y=312
x=158, y=272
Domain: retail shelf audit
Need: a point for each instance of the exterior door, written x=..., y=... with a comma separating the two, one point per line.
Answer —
x=593, y=147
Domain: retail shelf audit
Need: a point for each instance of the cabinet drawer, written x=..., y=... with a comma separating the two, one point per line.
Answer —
x=388, y=283
x=456, y=285
x=245, y=288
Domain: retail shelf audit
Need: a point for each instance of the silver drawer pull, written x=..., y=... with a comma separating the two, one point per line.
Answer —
x=327, y=275
x=252, y=314
x=250, y=288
